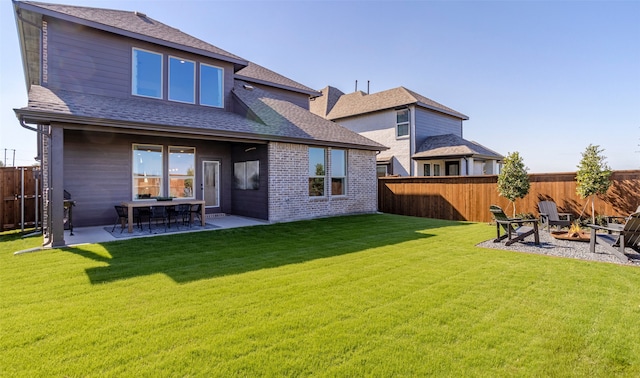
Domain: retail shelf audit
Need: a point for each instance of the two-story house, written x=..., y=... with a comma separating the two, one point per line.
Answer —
x=425, y=138
x=127, y=108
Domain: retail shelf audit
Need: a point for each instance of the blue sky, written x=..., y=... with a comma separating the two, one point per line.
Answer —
x=544, y=78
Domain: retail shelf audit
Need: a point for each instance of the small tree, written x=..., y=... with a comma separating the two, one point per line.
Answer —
x=593, y=176
x=513, y=181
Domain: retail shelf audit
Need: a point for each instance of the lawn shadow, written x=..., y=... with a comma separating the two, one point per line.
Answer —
x=208, y=254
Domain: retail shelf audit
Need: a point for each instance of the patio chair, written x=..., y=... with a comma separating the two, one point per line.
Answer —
x=550, y=217
x=617, y=238
x=515, y=231
x=123, y=217
x=180, y=213
x=158, y=213
x=195, y=210
x=618, y=219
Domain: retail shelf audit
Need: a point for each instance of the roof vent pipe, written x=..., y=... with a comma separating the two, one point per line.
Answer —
x=356, y=85
x=368, y=86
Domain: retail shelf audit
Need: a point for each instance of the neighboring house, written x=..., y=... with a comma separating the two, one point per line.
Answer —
x=128, y=108
x=425, y=137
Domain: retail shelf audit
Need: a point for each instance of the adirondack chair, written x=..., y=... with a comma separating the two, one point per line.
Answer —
x=617, y=238
x=550, y=217
x=611, y=220
x=513, y=227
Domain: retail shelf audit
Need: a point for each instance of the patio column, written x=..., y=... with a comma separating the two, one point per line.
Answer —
x=56, y=197
x=471, y=169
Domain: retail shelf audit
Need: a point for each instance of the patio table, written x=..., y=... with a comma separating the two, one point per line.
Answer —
x=130, y=205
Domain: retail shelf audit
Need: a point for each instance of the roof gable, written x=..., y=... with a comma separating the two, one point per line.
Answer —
x=132, y=24
x=358, y=103
x=272, y=110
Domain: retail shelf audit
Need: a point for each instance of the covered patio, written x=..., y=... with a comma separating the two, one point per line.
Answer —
x=103, y=234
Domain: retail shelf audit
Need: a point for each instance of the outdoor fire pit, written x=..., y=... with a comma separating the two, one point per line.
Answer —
x=575, y=233
x=564, y=235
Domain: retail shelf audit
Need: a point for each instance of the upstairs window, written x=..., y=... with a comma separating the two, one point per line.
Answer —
x=402, y=123
x=146, y=74
x=338, y=172
x=182, y=80
x=211, y=79
x=317, y=164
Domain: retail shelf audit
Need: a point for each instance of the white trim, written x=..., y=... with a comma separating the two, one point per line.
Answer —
x=323, y=177
x=221, y=86
x=193, y=190
x=346, y=172
x=133, y=183
x=217, y=179
x=133, y=76
x=181, y=60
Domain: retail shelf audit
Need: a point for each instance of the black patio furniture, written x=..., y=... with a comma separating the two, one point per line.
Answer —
x=515, y=231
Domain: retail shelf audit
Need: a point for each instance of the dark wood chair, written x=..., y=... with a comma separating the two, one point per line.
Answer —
x=180, y=214
x=550, y=217
x=158, y=213
x=618, y=237
x=513, y=227
x=195, y=211
x=123, y=217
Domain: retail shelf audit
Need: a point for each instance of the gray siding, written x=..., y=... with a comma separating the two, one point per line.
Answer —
x=430, y=123
x=252, y=203
x=89, y=61
x=97, y=171
x=97, y=62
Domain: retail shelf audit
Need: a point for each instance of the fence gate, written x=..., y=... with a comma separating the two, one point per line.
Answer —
x=19, y=198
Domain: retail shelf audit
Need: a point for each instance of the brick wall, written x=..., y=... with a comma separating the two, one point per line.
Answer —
x=289, y=185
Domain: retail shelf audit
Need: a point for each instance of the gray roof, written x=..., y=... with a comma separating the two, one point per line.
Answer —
x=357, y=103
x=279, y=112
x=322, y=105
x=255, y=73
x=132, y=24
x=451, y=146
x=293, y=125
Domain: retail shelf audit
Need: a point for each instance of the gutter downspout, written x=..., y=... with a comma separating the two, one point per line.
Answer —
x=48, y=135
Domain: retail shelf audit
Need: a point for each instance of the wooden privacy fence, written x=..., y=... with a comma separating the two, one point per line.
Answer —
x=469, y=197
x=11, y=192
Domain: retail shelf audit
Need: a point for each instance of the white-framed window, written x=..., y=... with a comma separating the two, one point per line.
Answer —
x=402, y=123
x=426, y=170
x=182, y=80
x=436, y=169
x=317, y=171
x=211, y=85
x=381, y=170
x=147, y=168
x=182, y=172
x=338, y=172
x=146, y=73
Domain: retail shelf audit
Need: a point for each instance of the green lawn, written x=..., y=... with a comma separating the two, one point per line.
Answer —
x=370, y=295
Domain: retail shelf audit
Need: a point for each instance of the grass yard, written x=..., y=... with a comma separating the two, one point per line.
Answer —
x=370, y=295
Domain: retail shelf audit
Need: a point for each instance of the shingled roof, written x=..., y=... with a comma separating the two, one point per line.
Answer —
x=132, y=24
x=278, y=120
x=357, y=103
x=255, y=73
x=451, y=146
x=284, y=115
